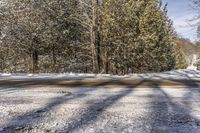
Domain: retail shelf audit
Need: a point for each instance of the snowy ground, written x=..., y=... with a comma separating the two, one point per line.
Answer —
x=103, y=107
x=176, y=74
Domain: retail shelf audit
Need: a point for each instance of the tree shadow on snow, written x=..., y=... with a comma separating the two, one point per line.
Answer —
x=95, y=110
x=165, y=114
x=168, y=115
x=34, y=117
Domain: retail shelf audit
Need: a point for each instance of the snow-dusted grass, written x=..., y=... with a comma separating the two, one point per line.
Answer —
x=175, y=74
x=51, y=76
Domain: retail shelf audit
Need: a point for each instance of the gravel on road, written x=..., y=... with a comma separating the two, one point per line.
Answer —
x=100, y=109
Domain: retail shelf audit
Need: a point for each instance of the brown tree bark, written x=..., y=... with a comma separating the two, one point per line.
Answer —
x=34, y=61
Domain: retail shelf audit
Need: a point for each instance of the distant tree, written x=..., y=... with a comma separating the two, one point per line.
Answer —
x=181, y=62
x=198, y=32
x=196, y=6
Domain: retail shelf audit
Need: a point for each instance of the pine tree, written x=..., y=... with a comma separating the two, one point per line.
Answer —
x=180, y=57
x=110, y=36
x=138, y=35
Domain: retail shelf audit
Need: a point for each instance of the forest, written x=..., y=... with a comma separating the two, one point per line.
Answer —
x=88, y=36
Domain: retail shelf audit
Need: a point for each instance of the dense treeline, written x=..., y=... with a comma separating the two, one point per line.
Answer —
x=100, y=36
x=188, y=49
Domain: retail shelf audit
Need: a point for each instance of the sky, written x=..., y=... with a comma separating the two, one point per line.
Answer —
x=181, y=12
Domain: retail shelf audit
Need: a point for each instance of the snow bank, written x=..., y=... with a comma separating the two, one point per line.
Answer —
x=176, y=74
x=51, y=76
x=192, y=68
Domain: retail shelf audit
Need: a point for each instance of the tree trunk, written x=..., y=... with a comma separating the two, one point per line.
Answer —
x=93, y=38
x=98, y=32
x=106, y=68
x=105, y=61
x=54, y=58
x=93, y=48
x=35, y=61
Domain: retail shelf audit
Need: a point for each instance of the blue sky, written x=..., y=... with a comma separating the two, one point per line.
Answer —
x=181, y=12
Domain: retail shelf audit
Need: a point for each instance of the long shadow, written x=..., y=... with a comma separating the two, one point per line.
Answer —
x=172, y=75
x=170, y=116
x=12, y=86
x=97, y=109
x=187, y=82
x=93, y=83
x=192, y=86
x=82, y=82
x=93, y=111
x=35, y=116
x=160, y=109
x=9, y=86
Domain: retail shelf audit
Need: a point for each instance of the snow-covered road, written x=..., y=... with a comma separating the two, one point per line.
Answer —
x=145, y=103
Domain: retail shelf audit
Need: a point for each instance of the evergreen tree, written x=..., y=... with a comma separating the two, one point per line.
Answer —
x=180, y=57
x=139, y=36
x=109, y=36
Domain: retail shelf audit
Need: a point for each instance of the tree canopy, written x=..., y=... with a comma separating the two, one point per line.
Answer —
x=99, y=36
